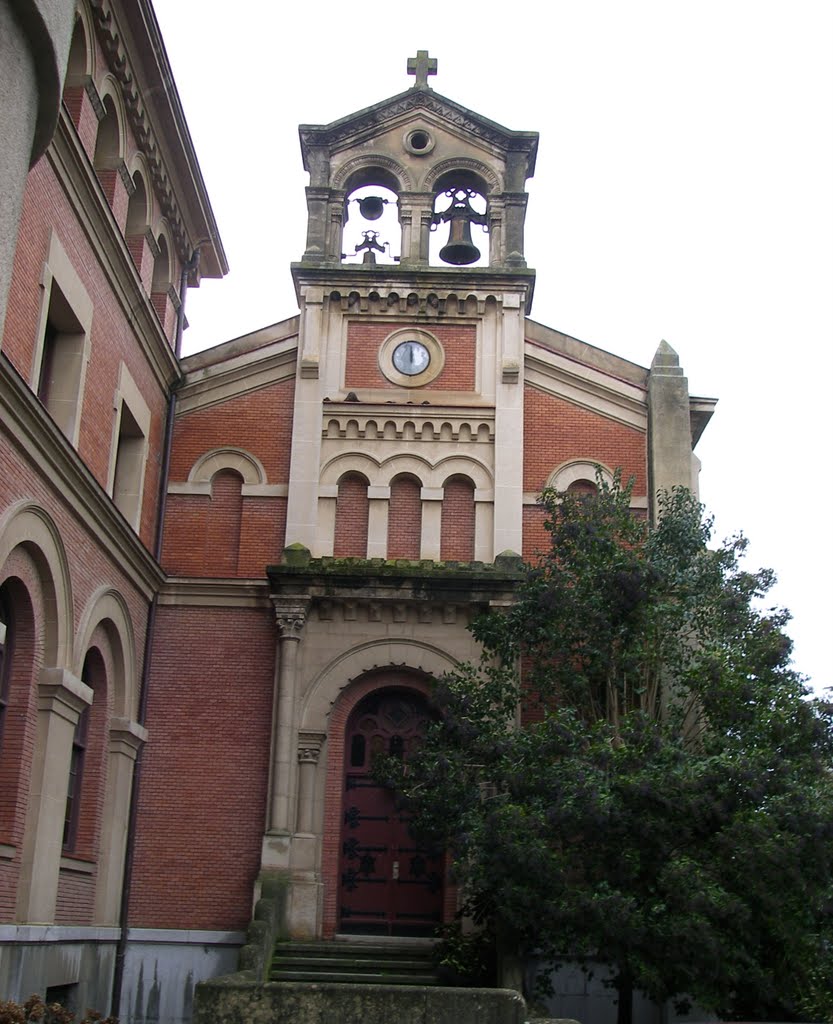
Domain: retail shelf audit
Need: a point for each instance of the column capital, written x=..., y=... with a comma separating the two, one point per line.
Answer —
x=309, y=746
x=290, y=616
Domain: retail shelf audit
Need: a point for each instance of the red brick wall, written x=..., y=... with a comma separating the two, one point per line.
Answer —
x=203, y=797
x=351, y=517
x=90, y=566
x=404, y=518
x=364, y=340
x=24, y=599
x=259, y=422
x=76, y=898
x=556, y=431
x=225, y=513
x=457, y=539
x=112, y=337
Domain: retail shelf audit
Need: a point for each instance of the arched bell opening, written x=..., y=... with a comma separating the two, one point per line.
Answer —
x=371, y=230
x=460, y=221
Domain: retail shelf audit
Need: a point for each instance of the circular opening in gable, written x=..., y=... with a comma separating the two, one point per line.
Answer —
x=419, y=142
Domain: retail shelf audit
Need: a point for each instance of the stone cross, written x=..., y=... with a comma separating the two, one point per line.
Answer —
x=422, y=66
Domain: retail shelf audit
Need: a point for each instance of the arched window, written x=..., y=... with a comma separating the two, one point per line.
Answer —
x=583, y=488
x=76, y=72
x=351, y=517
x=404, y=518
x=137, y=208
x=107, y=144
x=457, y=528
x=6, y=641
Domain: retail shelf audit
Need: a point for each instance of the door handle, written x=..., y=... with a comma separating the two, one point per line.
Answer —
x=395, y=870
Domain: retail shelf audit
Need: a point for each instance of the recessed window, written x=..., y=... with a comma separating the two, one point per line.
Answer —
x=130, y=463
x=5, y=661
x=62, y=362
x=76, y=777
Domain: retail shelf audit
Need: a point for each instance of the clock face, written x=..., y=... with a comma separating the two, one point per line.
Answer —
x=411, y=358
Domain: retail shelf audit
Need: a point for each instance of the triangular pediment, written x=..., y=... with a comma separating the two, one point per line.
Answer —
x=374, y=120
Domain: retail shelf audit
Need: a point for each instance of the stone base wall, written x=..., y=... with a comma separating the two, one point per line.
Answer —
x=235, y=1000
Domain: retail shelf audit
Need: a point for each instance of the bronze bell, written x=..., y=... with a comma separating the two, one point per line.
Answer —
x=371, y=207
x=460, y=250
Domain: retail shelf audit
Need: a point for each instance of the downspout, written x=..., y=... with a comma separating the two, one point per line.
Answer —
x=189, y=269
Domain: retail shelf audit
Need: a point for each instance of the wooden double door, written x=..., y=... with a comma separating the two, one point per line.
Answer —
x=389, y=884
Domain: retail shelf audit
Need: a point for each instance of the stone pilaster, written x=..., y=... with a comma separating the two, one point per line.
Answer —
x=126, y=739
x=61, y=699
x=309, y=751
x=669, y=426
x=290, y=617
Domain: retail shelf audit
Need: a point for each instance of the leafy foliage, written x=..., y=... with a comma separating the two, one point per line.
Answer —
x=36, y=1011
x=664, y=803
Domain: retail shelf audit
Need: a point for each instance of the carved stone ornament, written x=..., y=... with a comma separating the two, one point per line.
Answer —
x=290, y=619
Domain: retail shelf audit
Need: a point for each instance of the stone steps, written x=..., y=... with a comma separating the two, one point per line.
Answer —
x=352, y=963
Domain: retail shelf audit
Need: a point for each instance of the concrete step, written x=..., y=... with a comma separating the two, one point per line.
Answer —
x=353, y=977
x=352, y=963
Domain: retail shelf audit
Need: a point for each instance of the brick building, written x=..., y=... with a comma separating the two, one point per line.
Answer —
x=218, y=633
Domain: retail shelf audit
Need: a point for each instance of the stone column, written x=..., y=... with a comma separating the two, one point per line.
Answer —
x=309, y=750
x=669, y=427
x=514, y=228
x=509, y=418
x=377, y=521
x=126, y=739
x=61, y=699
x=290, y=616
x=432, y=512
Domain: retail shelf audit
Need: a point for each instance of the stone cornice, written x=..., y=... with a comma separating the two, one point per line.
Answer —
x=43, y=445
x=240, y=376
x=587, y=387
x=399, y=582
x=113, y=43
x=77, y=177
x=215, y=593
x=409, y=289
x=372, y=420
x=371, y=120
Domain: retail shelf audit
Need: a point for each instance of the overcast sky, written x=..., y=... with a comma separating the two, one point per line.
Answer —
x=682, y=191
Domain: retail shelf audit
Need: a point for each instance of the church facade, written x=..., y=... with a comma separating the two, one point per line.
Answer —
x=227, y=581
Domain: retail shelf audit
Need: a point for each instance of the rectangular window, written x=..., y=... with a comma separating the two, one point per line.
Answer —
x=128, y=476
x=76, y=773
x=62, y=362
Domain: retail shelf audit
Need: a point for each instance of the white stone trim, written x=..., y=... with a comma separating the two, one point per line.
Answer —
x=58, y=270
x=217, y=459
x=577, y=469
x=128, y=394
x=107, y=605
x=330, y=681
x=41, y=933
x=27, y=523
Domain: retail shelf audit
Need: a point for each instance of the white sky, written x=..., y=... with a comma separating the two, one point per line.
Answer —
x=684, y=190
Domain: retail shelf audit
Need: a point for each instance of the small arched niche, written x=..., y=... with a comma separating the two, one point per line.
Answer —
x=459, y=226
x=371, y=230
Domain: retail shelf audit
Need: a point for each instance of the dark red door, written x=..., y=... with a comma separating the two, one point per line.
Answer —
x=388, y=883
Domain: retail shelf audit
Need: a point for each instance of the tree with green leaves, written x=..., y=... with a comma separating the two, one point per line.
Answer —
x=635, y=775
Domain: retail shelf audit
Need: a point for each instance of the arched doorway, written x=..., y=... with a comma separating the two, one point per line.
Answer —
x=388, y=883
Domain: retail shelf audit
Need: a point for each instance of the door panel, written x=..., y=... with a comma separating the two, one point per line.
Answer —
x=388, y=883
